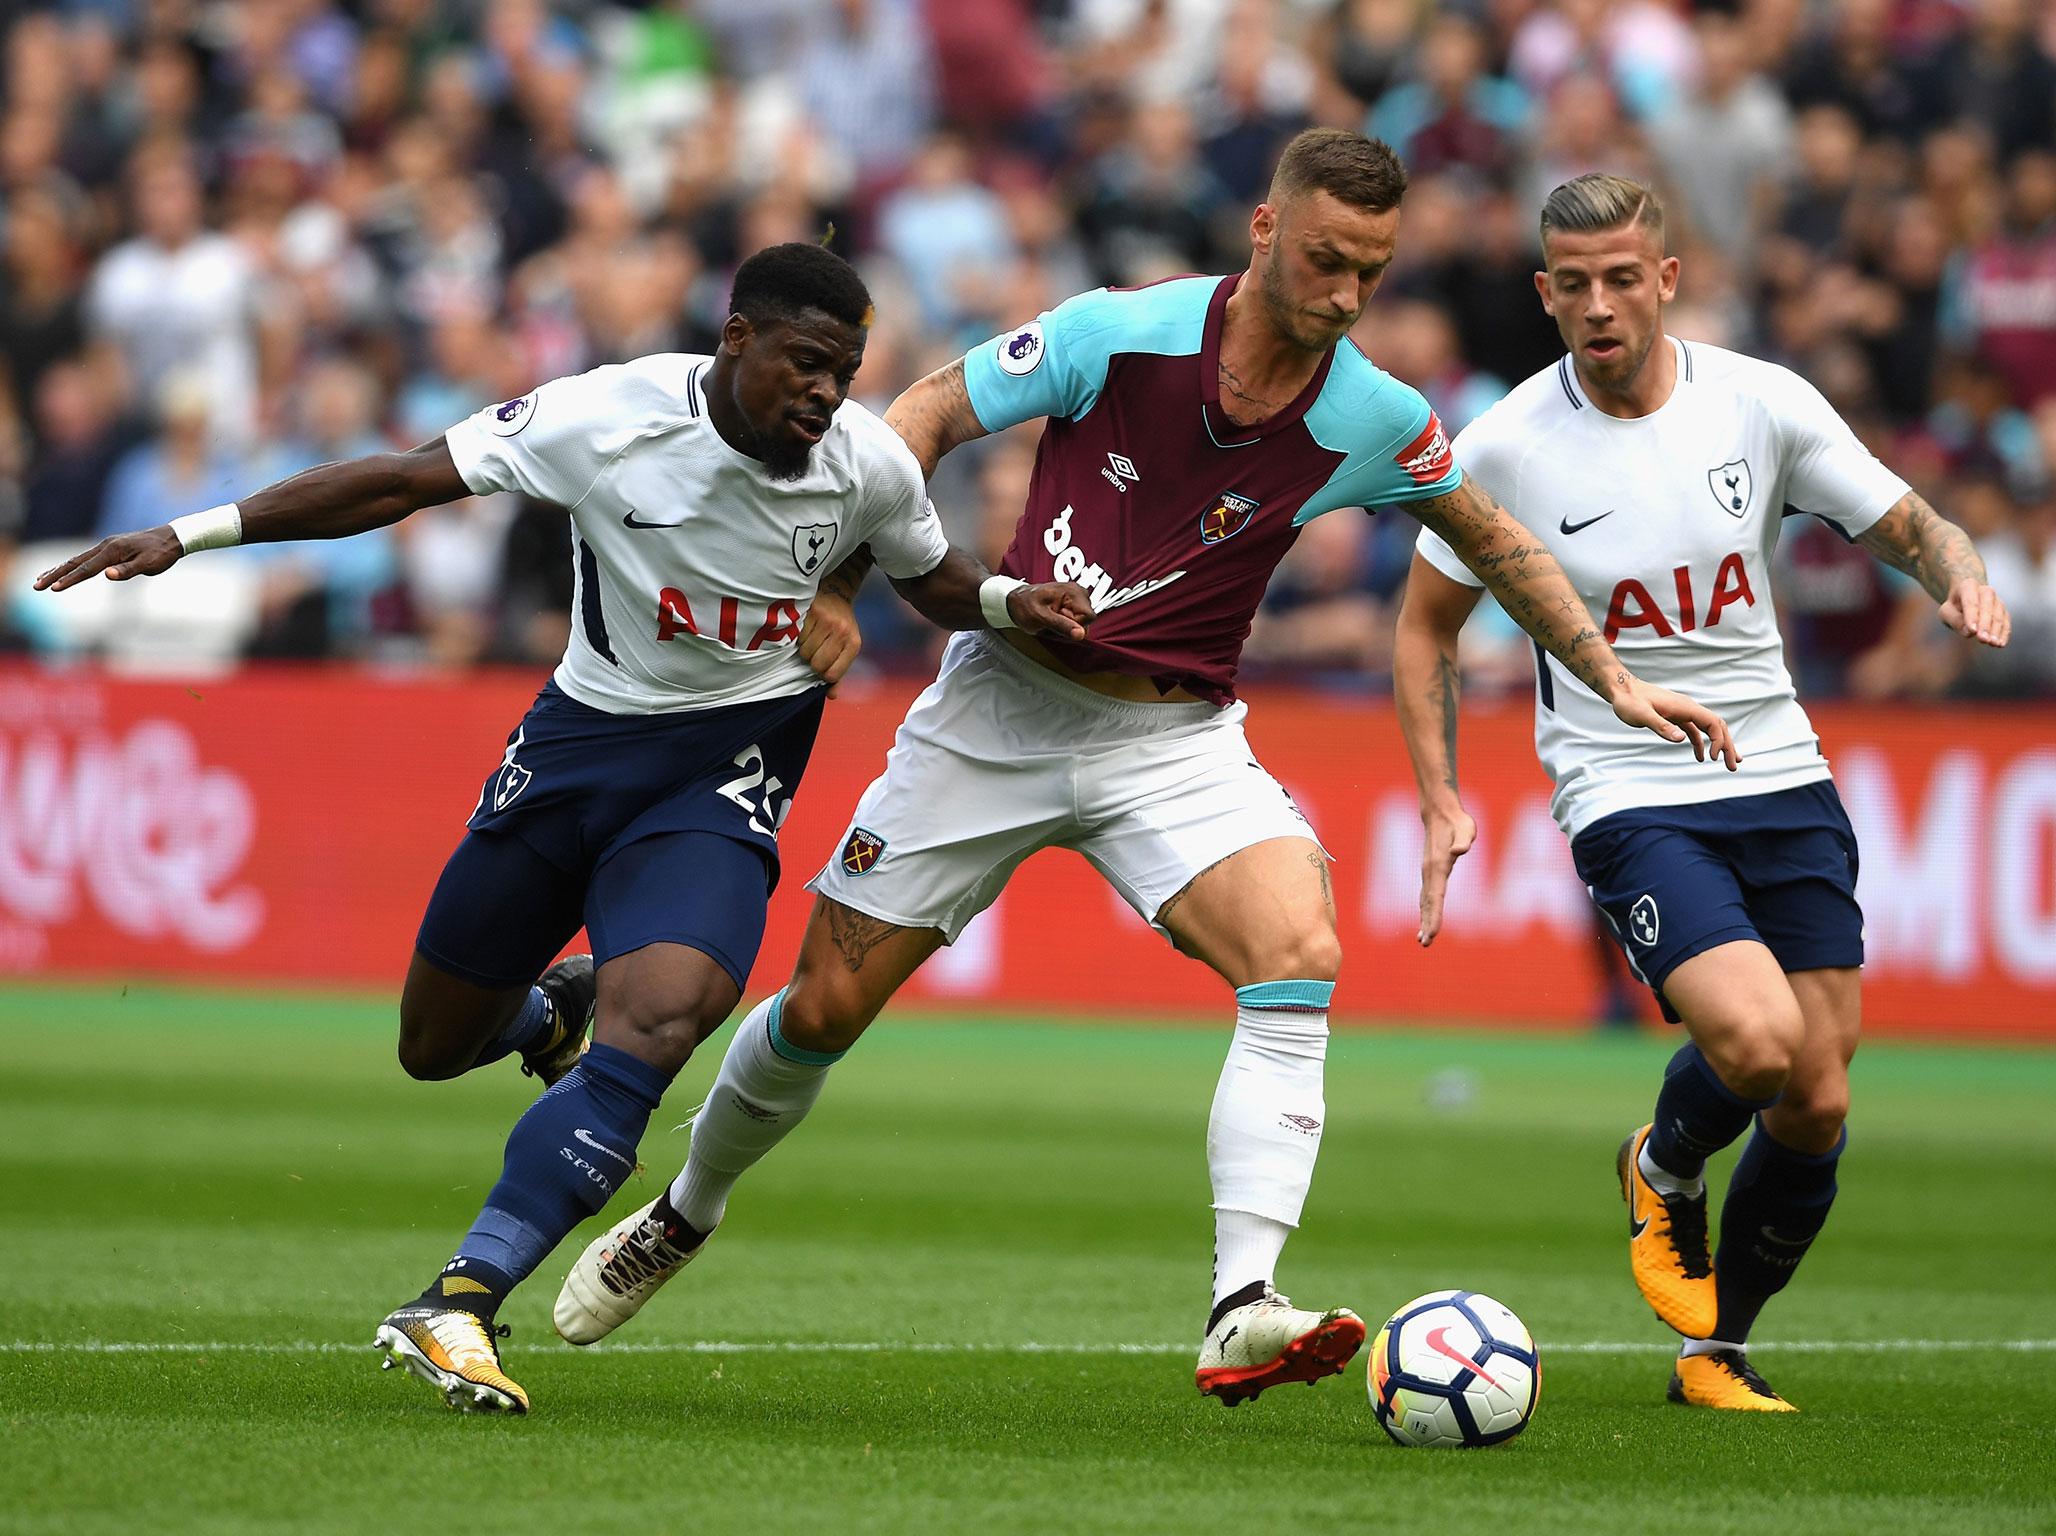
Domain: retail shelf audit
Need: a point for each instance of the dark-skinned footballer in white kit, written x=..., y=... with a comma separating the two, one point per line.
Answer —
x=722, y=511
x=1659, y=471
x=1192, y=427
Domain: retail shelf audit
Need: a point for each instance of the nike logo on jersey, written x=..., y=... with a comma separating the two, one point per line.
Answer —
x=1565, y=525
x=631, y=521
x=1636, y=1225
x=586, y=1136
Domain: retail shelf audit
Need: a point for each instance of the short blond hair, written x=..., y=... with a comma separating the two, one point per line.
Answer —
x=1589, y=204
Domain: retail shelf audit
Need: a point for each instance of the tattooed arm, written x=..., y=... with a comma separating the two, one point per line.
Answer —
x=1426, y=687
x=934, y=415
x=1913, y=537
x=1534, y=591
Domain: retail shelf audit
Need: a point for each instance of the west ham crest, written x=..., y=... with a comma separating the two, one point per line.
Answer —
x=861, y=851
x=1731, y=486
x=810, y=546
x=1228, y=516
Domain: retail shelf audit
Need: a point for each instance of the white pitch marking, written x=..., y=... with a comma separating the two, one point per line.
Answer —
x=930, y=1347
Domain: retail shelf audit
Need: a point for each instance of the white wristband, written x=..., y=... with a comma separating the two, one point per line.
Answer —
x=993, y=593
x=216, y=528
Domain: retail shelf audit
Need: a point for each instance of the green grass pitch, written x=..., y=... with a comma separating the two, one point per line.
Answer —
x=238, y=1186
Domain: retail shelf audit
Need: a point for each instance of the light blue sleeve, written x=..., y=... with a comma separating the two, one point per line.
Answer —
x=1056, y=364
x=1393, y=445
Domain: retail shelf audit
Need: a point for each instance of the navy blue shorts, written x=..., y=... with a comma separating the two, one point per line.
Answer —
x=1676, y=880
x=641, y=828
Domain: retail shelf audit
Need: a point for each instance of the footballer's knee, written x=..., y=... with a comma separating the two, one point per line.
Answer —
x=1316, y=955
x=428, y=1058
x=824, y=1018
x=1311, y=953
x=1755, y=1059
x=431, y=1049
x=445, y=1021
x=1810, y=1116
x=664, y=1028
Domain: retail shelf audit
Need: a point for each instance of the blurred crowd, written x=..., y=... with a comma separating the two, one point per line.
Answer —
x=241, y=237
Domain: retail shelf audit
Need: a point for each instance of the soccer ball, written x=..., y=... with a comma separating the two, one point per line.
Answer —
x=1454, y=1368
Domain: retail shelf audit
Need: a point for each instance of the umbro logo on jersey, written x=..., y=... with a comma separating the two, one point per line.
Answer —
x=1565, y=525
x=1120, y=471
x=1228, y=516
x=632, y=521
x=1731, y=486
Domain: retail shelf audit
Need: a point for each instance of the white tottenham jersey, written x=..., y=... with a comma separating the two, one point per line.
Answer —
x=1665, y=524
x=694, y=568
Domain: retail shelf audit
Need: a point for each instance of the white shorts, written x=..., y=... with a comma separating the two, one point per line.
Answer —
x=1000, y=757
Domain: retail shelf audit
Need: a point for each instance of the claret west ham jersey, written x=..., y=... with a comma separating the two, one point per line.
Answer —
x=1665, y=524
x=694, y=568
x=1170, y=514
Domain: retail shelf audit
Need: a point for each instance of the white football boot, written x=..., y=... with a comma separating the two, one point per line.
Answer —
x=1269, y=1341
x=620, y=1270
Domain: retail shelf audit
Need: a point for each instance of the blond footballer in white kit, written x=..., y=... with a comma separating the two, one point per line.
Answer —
x=1658, y=472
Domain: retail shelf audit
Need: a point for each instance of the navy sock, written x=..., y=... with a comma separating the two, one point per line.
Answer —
x=1777, y=1203
x=529, y=1028
x=1696, y=1115
x=565, y=1159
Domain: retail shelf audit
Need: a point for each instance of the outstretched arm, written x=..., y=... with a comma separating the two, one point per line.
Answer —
x=1533, y=589
x=948, y=596
x=329, y=501
x=1426, y=687
x=934, y=415
x=1915, y=538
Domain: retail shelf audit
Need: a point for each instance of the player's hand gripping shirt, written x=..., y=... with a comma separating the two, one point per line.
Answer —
x=694, y=568
x=1665, y=524
x=1171, y=515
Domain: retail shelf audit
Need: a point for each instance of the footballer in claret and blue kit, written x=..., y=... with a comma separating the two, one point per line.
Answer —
x=1144, y=473
x=1192, y=428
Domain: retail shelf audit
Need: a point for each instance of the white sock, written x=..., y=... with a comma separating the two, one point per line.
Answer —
x=1246, y=1249
x=1709, y=1347
x=1265, y=1131
x=1663, y=1181
x=764, y=1088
